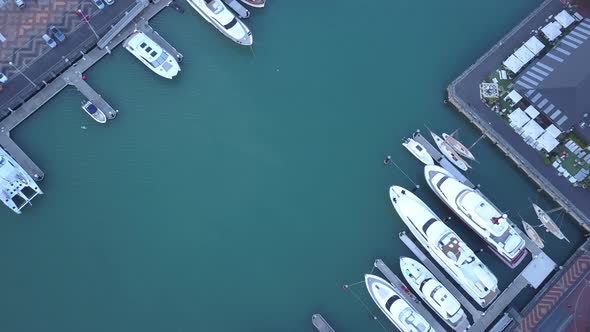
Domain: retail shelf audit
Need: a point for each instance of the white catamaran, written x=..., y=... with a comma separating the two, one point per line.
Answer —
x=479, y=214
x=152, y=55
x=445, y=247
x=17, y=188
x=437, y=296
x=398, y=311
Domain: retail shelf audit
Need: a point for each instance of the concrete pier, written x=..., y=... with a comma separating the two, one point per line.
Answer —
x=475, y=314
x=75, y=79
x=143, y=26
x=399, y=286
x=73, y=76
x=321, y=324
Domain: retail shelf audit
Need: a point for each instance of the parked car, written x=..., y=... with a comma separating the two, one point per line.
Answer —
x=83, y=18
x=20, y=3
x=109, y=2
x=56, y=33
x=99, y=4
x=3, y=78
x=49, y=41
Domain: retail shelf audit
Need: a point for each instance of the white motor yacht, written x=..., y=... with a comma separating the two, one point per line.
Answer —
x=152, y=55
x=437, y=296
x=94, y=111
x=418, y=151
x=445, y=246
x=215, y=12
x=399, y=312
x=491, y=224
x=17, y=188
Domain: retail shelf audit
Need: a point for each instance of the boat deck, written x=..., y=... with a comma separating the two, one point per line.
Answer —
x=473, y=311
x=321, y=324
x=397, y=285
x=143, y=26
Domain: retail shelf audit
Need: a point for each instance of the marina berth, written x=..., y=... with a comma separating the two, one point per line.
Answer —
x=445, y=247
x=449, y=153
x=152, y=55
x=418, y=151
x=398, y=311
x=17, y=188
x=438, y=298
x=215, y=12
x=491, y=224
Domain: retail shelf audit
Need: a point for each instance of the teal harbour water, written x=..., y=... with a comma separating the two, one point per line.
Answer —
x=241, y=195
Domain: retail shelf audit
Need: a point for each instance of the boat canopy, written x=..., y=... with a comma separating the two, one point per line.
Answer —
x=91, y=108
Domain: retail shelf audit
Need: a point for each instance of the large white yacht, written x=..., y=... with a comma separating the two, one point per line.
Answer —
x=479, y=214
x=152, y=55
x=17, y=188
x=445, y=246
x=399, y=312
x=215, y=12
x=437, y=296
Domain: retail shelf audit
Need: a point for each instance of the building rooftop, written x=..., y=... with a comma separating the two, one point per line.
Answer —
x=559, y=82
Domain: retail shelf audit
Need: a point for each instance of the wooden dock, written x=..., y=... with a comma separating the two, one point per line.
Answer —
x=475, y=314
x=399, y=286
x=321, y=324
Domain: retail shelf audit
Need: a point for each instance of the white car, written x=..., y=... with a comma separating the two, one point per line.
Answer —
x=49, y=41
x=20, y=3
x=3, y=78
x=109, y=2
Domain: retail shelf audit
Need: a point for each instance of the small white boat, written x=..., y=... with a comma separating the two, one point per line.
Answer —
x=255, y=3
x=458, y=146
x=152, y=55
x=215, y=12
x=437, y=296
x=418, y=151
x=449, y=153
x=398, y=311
x=94, y=112
x=532, y=234
x=549, y=224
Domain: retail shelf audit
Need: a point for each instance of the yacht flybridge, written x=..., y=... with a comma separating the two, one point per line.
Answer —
x=445, y=246
x=437, y=296
x=152, y=55
x=399, y=312
x=17, y=188
x=479, y=214
x=215, y=12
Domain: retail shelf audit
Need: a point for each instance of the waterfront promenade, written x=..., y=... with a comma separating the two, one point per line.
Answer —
x=464, y=94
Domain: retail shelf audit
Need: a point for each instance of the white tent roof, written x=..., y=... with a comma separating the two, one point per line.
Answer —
x=532, y=130
x=531, y=112
x=518, y=118
x=513, y=64
x=547, y=142
x=514, y=96
x=524, y=54
x=552, y=30
x=553, y=131
x=564, y=19
x=534, y=45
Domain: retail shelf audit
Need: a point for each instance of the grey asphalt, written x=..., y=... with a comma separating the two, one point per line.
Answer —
x=468, y=90
x=18, y=88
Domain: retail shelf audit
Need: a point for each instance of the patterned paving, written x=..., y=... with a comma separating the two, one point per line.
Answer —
x=23, y=28
x=549, y=301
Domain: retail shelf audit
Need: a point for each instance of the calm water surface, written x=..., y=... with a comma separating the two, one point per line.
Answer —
x=242, y=195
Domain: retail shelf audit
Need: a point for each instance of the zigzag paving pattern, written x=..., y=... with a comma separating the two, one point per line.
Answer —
x=565, y=286
x=23, y=28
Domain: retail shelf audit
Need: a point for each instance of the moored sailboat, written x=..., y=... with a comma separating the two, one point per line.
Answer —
x=548, y=222
x=458, y=146
x=449, y=153
x=532, y=234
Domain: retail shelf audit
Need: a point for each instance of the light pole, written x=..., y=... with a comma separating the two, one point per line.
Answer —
x=22, y=73
x=87, y=20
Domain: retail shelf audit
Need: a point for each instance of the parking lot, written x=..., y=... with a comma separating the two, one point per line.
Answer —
x=23, y=50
